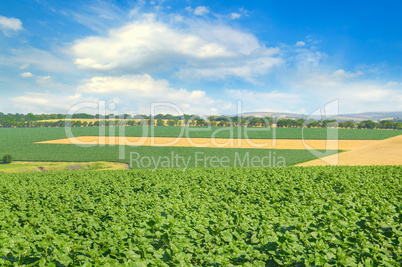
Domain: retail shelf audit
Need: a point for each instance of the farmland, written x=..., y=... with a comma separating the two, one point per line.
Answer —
x=384, y=152
x=184, y=215
x=21, y=143
x=43, y=134
x=254, y=217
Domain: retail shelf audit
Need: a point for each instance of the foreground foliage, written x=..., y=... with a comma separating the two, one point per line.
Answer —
x=319, y=216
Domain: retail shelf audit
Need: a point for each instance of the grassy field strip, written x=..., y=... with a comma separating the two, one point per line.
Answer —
x=384, y=152
x=44, y=134
x=216, y=143
x=26, y=166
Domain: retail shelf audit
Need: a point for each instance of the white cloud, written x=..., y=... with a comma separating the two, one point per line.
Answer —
x=201, y=10
x=355, y=94
x=367, y=96
x=274, y=101
x=334, y=79
x=38, y=59
x=307, y=60
x=248, y=68
x=100, y=16
x=393, y=84
x=144, y=90
x=47, y=82
x=300, y=43
x=23, y=67
x=44, y=80
x=10, y=24
x=139, y=85
x=235, y=15
x=47, y=102
x=26, y=75
x=198, y=48
x=144, y=43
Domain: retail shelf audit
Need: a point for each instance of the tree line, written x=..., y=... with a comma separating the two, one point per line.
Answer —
x=59, y=120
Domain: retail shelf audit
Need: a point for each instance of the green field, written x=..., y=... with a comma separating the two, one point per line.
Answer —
x=316, y=216
x=43, y=134
x=20, y=142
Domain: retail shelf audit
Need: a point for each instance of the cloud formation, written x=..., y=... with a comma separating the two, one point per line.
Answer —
x=26, y=75
x=144, y=90
x=125, y=53
x=235, y=15
x=355, y=92
x=201, y=10
x=9, y=24
x=46, y=102
x=46, y=61
x=197, y=49
x=267, y=101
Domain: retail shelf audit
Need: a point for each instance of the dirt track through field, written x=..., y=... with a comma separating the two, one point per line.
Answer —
x=383, y=152
x=217, y=143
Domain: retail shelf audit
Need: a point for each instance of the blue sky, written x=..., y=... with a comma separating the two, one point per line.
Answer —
x=202, y=56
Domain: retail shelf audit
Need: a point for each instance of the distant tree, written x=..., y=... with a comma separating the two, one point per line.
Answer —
x=386, y=124
x=325, y=123
x=286, y=123
x=253, y=121
x=349, y=124
x=8, y=159
x=201, y=122
x=313, y=124
x=367, y=124
x=30, y=117
x=300, y=122
x=76, y=123
x=268, y=121
x=159, y=122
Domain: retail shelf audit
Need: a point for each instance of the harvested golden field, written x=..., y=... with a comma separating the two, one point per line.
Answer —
x=383, y=152
x=217, y=143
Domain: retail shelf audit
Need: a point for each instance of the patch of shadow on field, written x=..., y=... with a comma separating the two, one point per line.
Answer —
x=74, y=167
x=28, y=260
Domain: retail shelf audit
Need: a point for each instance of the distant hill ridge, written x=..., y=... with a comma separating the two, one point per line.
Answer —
x=374, y=116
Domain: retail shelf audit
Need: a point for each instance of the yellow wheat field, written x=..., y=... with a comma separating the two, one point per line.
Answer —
x=217, y=143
